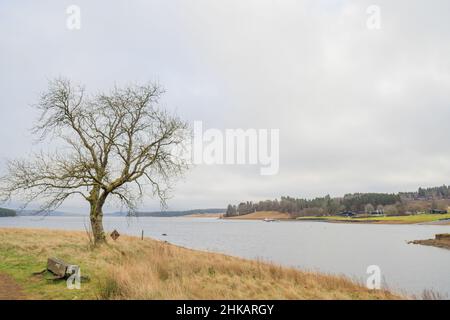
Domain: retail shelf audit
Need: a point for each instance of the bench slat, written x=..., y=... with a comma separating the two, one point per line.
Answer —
x=57, y=266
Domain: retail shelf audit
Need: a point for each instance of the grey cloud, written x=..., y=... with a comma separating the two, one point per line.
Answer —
x=358, y=110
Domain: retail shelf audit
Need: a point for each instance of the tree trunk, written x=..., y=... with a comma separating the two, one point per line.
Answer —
x=97, y=228
x=96, y=217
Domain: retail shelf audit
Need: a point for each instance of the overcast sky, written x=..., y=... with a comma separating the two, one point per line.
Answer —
x=359, y=110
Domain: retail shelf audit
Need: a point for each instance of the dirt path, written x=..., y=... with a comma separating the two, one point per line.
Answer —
x=10, y=289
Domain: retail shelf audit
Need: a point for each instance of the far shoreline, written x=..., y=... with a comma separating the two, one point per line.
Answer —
x=268, y=216
x=424, y=219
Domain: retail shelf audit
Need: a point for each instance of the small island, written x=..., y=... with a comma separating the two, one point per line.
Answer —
x=440, y=241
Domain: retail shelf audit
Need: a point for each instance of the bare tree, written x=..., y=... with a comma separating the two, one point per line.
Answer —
x=115, y=145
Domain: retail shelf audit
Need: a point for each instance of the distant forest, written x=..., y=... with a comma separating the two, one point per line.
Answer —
x=7, y=213
x=391, y=204
x=433, y=193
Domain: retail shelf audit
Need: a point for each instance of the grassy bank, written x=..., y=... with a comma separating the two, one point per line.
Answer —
x=204, y=215
x=412, y=219
x=131, y=268
x=261, y=215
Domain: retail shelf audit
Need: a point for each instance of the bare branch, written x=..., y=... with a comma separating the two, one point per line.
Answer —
x=119, y=143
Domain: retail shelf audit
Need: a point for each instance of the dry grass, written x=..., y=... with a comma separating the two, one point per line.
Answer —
x=147, y=269
x=261, y=215
x=432, y=295
x=203, y=215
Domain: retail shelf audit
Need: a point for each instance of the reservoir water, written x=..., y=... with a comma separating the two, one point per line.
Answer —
x=346, y=249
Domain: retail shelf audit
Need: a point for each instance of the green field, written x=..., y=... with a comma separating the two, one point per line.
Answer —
x=418, y=218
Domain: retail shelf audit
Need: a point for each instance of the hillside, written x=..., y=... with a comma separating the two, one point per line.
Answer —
x=196, y=212
x=261, y=215
x=7, y=212
x=425, y=200
x=54, y=213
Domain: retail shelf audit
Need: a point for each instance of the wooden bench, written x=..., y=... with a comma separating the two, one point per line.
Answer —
x=61, y=269
x=58, y=267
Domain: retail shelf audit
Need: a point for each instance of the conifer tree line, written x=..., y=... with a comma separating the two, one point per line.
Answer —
x=356, y=202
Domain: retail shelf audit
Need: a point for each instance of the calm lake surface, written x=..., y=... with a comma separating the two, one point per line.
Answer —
x=326, y=247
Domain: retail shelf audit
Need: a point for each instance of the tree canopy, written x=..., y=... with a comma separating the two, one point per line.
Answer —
x=118, y=144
